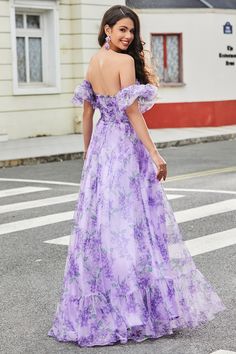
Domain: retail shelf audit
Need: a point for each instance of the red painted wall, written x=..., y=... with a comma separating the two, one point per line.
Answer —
x=191, y=114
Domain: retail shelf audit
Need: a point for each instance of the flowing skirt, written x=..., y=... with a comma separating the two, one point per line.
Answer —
x=128, y=273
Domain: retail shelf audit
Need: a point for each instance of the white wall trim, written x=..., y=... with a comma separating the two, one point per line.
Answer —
x=35, y=4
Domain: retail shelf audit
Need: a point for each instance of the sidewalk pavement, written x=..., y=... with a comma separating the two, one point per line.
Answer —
x=30, y=151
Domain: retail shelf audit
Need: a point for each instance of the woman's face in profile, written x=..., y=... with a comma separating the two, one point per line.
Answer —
x=122, y=34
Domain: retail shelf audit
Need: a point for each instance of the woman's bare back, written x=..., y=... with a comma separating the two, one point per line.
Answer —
x=104, y=72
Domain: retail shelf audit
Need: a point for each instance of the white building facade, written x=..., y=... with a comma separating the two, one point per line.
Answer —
x=194, y=52
x=45, y=47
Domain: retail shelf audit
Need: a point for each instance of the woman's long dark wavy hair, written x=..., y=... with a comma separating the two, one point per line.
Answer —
x=115, y=13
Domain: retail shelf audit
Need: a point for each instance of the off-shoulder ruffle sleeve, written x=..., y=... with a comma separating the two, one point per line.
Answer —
x=83, y=92
x=146, y=95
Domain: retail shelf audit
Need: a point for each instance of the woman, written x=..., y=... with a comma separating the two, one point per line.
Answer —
x=128, y=273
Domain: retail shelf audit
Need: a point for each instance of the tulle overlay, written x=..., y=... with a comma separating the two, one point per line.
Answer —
x=128, y=273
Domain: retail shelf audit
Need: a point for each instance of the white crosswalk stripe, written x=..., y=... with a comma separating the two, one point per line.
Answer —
x=35, y=222
x=205, y=210
x=38, y=203
x=22, y=190
x=63, y=240
x=211, y=242
x=174, y=196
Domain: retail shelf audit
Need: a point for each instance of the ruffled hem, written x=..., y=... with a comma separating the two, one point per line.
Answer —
x=97, y=319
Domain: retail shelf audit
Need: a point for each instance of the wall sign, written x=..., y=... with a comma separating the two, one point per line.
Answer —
x=230, y=56
x=228, y=28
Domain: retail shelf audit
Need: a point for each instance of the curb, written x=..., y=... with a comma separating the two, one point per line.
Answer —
x=199, y=140
x=79, y=155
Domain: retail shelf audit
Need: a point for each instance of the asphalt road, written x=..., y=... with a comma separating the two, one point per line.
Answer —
x=31, y=270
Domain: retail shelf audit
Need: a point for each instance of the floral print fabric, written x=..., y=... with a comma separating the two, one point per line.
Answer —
x=128, y=273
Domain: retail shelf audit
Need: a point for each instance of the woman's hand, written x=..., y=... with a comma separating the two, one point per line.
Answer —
x=84, y=154
x=160, y=164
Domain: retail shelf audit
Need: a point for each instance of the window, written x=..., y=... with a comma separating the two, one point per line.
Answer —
x=36, y=49
x=29, y=39
x=167, y=57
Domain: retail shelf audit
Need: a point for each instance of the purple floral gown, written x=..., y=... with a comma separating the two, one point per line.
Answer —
x=128, y=273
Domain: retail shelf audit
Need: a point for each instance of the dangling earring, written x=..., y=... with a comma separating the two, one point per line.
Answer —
x=107, y=44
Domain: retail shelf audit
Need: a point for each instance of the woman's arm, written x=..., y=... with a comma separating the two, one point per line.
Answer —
x=88, y=112
x=87, y=120
x=128, y=77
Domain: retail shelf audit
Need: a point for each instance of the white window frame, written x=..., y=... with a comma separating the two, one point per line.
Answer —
x=48, y=11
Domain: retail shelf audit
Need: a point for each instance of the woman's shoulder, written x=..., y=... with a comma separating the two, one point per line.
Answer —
x=127, y=61
x=115, y=57
x=123, y=61
x=124, y=58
